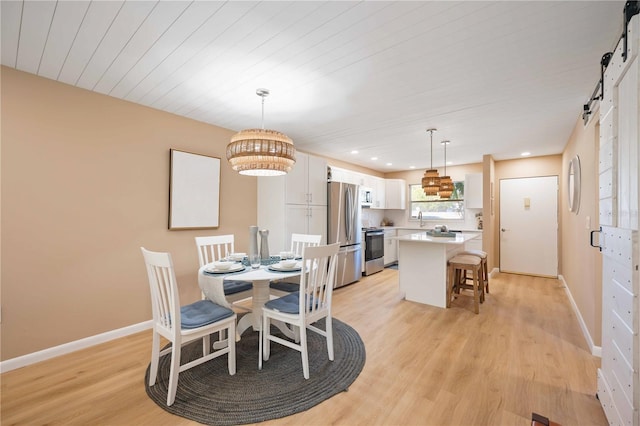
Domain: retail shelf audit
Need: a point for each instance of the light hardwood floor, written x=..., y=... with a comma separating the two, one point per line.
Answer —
x=523, y=353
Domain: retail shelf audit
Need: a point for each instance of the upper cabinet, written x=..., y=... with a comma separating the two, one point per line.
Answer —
x=294, y=203
x=385, y=193
x=395, y=194
x=473, y=190
x=307, y=182
x=378, y=193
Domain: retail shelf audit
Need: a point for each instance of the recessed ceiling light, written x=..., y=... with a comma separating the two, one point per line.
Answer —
x=525, y=154
x=374, y=158
x=355, y=151
x=449, y=163
x=412, y=167
x=389, y=164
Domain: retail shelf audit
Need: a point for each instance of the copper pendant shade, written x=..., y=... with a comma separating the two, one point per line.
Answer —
x=431, y=179
x=260, y=152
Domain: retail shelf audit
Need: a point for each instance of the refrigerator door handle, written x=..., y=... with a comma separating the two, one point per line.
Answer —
x=347, y=212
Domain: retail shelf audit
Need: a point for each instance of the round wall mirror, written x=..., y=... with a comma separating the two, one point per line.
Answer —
x=573, y=180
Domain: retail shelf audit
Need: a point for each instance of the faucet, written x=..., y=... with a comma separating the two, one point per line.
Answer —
x=420, y=217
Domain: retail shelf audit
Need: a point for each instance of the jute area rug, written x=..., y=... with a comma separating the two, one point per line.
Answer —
x=209, y=395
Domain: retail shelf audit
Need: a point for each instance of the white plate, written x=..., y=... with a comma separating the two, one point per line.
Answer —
x=237, y=256
x=278, y=267
x=234, y=268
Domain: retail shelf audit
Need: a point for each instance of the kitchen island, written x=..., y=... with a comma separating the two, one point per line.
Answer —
x=422, y=265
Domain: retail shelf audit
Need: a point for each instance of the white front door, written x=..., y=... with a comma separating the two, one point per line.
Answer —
x=529, y=226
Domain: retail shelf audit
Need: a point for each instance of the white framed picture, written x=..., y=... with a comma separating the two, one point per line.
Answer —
x=194, y=191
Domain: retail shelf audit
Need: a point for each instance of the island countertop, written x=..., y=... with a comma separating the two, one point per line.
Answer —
x=422, y=237
x=419, y=253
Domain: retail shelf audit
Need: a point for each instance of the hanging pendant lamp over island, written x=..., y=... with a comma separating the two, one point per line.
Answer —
x=431, y=180
x=260, y=152
x=446, y=184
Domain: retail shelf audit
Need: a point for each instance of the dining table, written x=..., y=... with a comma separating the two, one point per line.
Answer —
x=211, y=284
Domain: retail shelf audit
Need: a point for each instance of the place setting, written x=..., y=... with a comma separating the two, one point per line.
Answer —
x=234, y=262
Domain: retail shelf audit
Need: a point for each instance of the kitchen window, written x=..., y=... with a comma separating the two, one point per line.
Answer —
x=433, y=208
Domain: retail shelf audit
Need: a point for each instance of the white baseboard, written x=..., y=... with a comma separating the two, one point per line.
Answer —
x=32, y=358
x=493, y=272
x=595, y=350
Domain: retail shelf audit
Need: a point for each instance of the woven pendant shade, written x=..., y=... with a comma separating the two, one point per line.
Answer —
x=431, y=179
x=431, y=182
x=446, y=187
x=260, y=152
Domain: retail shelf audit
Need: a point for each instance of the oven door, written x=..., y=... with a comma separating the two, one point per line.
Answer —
x=374, y=245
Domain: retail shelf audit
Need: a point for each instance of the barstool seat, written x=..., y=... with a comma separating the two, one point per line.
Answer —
x=485, y=271
x=458, y=266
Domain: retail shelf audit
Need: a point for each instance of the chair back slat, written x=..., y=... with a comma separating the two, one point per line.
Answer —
x=318, y=280
x=165, y=300
x=300, y=241
x=214, y=248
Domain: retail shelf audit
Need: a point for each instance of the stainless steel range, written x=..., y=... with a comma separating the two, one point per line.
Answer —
x=373, y=250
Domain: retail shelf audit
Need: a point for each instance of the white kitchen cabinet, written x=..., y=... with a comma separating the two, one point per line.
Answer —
x=301, y=219
x=390, y=247
x=473, y=191
x=340, y=175
x=294, y=203
x=307, y=182
x=395, y=194
x=378, y=192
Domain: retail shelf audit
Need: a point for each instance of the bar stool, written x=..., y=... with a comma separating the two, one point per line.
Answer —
x=485, y=271
x=458, y=267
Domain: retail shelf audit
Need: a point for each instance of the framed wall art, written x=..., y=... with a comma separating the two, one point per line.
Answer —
x=194, y=191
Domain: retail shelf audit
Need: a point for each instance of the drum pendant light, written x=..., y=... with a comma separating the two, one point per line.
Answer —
x=260, y=152
x=446, y=184
x=431, y=180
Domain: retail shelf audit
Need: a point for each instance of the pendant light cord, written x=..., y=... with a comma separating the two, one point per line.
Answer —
x=262, y=112
x=445, y=157
x=431, y=133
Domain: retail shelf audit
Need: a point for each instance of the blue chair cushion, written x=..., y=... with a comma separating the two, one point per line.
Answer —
x=285, y=286
x=233, y=287
x=202, y=312
x=288, y=304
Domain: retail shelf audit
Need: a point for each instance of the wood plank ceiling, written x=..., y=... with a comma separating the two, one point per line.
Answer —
x=494, y=77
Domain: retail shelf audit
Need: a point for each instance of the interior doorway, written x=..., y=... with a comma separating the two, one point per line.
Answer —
x=529, y=226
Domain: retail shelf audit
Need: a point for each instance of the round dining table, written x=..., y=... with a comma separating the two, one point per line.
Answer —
x=212, y=287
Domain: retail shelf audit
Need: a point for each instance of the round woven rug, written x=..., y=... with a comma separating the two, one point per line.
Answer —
x=209, y=395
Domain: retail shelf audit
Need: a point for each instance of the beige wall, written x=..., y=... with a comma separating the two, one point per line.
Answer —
x=582, y=264
x=85, y=181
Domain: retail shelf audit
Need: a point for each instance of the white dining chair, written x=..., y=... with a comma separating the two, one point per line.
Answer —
x=183, y=324
x=302, y=309
x=216, y=247
x=298, y=243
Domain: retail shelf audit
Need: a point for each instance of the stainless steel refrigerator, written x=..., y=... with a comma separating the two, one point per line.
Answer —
x=344, y=226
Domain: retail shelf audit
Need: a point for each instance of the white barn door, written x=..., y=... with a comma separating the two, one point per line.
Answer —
x=618, y=377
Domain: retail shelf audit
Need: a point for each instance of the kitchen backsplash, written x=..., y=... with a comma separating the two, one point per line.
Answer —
x=374, y=217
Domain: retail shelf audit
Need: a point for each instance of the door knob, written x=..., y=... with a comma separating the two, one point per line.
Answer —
x=503, y=230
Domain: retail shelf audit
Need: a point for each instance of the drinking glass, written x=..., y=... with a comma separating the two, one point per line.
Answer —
x=254, y=260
